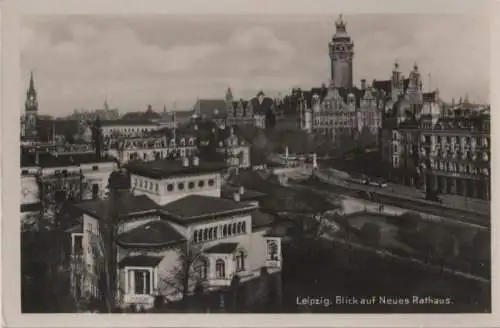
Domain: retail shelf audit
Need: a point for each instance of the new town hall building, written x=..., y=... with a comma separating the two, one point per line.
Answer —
x=340, y=107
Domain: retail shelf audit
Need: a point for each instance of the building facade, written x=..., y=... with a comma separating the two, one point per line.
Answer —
x=235, y=149
x=455, y=154
x=153, y=147
x=230, y=112
x=175, y=209
x=106, y=113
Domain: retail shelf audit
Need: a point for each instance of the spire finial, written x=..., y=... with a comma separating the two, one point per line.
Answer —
x=396, y=65
x=340, y=24
x=31, y=89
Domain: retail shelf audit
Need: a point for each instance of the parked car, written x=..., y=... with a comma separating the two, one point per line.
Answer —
x=378, y=183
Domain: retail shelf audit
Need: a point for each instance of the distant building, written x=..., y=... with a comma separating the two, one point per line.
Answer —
x=234, y=148
x=128, y=128
x=46, y=172
x=228, y=112
x=153, y=147
x=106, y=113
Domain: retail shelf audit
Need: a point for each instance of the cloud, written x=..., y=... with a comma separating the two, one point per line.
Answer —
x=133, y=62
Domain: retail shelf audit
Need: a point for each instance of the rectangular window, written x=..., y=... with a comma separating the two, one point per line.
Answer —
x=78, y=244
x=95, y=191
x=142, y=282
x=24, y=172
x=95, y=168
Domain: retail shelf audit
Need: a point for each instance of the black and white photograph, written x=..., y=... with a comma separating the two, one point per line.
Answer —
x=331, y=163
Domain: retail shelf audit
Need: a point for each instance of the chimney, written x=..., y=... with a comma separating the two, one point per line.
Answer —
x=242, y=190
x=185, y=162
x=196, y=161
x=363, y=84
x=236, y=197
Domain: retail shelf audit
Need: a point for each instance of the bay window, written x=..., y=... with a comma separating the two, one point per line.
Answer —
x=140, y=281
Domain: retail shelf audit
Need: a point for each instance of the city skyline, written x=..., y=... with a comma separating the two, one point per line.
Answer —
x=79, y=61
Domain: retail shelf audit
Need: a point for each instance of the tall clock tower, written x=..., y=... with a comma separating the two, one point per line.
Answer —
x=341, y=49
x=31, y=109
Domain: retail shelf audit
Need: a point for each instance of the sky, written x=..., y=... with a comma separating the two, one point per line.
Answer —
x=164, y=60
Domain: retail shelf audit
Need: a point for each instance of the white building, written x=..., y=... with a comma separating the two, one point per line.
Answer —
x=151, y=148
x=131, y=128
x=174, y=208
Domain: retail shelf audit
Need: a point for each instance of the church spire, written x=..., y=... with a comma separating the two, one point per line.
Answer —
x=31, y=104
x=31, y=89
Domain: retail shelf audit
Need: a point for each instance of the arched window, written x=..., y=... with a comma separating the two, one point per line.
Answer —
x=215, y=233
x=210, y=233
x=191, y=185
x=205, y=234
x=224, y=230
x=234, y=228
x=170, y=187
x=180, y=186
x=220, y=269
x=229, y=229
x=211, y=182
x=243, y=227
x=195, y=236
x=201, y=183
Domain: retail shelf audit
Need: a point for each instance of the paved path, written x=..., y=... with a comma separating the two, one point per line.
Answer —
x=458, y=202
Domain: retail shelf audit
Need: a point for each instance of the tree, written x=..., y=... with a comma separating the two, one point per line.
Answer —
x=438, y=241
x=44, y=242
x=188, y=271
x=104, y=244
x=270, y=119
x=69, y=137
x=366, y=138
